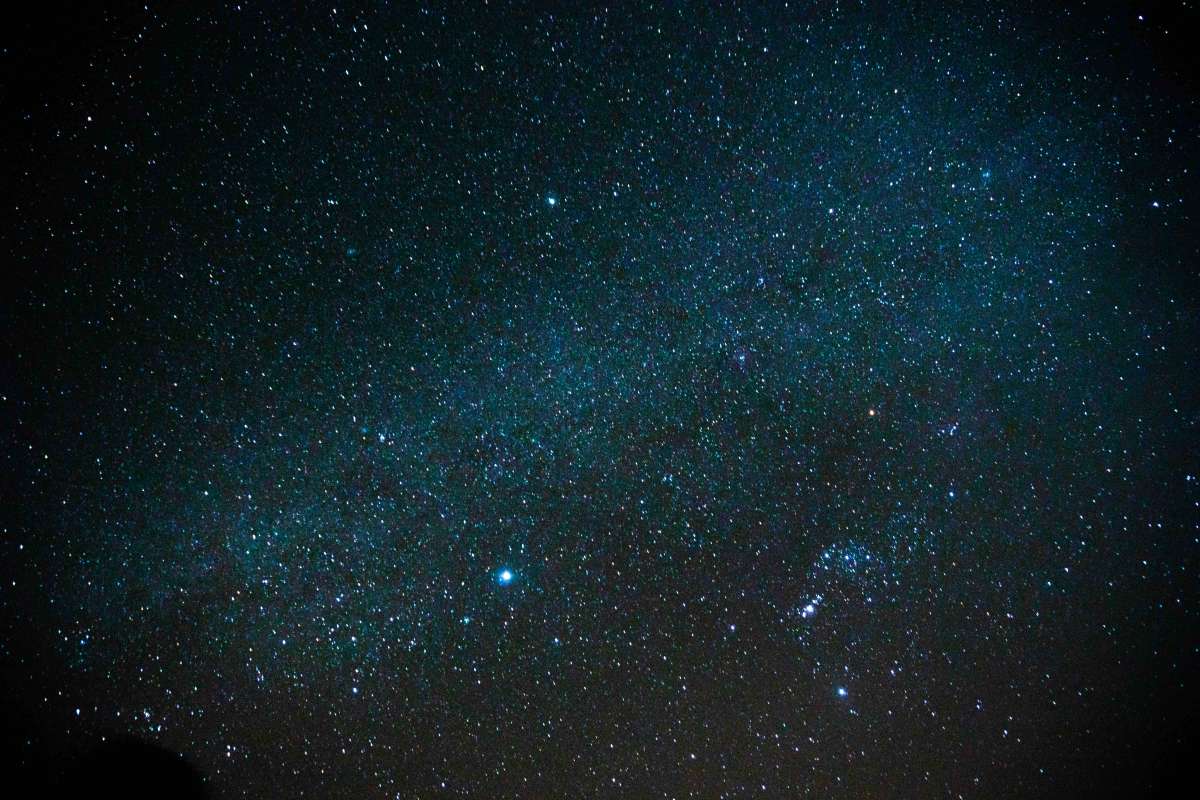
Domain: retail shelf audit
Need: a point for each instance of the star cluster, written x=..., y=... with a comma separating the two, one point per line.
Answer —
x=680, y=401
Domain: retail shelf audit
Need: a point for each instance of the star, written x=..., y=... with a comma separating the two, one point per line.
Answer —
x=505, y=576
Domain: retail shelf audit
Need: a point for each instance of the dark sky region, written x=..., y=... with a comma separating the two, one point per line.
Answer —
x=658, y=400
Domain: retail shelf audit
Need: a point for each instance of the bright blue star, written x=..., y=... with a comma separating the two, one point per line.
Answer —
x=841, y=691
x=505, y=576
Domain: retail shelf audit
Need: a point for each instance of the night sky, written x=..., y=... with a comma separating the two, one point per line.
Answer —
x=652, y=401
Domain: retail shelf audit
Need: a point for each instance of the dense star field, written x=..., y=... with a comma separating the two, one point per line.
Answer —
x=663, y=401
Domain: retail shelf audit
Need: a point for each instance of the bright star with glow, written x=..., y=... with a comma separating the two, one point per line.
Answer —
x=841, y=691
x=505, y=576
